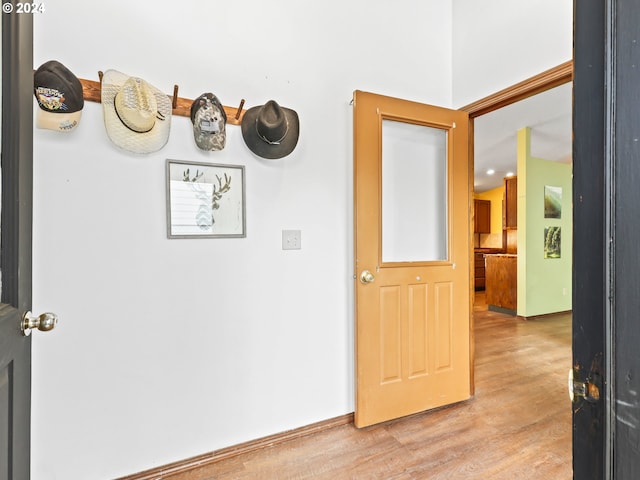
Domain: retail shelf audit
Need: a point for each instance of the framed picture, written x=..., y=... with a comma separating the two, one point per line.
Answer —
x=205, y=200
x=552, y=202
x=552, y=242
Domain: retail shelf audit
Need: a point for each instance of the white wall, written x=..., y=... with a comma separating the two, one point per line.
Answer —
x=497, y=43
x=172, y=348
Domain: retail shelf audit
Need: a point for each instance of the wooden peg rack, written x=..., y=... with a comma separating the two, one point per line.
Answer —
x=181, y=106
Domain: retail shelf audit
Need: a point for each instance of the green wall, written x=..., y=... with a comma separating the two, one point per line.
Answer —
x=544, y=284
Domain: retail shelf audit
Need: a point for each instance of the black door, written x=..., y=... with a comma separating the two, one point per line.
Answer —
x=606, y=338
x=15, y=253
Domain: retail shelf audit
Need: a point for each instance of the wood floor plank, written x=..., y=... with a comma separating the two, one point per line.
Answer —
x=518, y=425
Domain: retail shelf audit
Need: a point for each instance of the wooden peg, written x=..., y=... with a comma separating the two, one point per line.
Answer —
x=239, y=111
x=92, y=92
x=174, y=103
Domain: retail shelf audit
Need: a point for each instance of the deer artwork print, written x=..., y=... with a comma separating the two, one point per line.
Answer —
x=209, y=201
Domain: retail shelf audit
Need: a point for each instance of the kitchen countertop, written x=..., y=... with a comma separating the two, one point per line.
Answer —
x=488, y=250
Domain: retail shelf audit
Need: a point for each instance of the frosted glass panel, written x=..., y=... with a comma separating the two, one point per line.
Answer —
x=414, y=193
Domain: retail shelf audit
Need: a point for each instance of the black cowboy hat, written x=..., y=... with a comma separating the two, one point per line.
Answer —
x=270, y=131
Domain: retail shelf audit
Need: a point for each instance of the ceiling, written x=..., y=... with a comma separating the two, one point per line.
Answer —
x=548, y=114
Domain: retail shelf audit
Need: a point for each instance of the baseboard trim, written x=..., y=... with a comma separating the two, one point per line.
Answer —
x=199, y=461
x=545, y=315
x=507, y=311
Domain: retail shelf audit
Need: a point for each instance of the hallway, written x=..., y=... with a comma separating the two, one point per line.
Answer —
x=517, y=426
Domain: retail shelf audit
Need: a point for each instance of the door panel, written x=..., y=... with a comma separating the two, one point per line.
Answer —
x=606, y=274
x=624, y=333
x=590, y=289
x=418, y=351
x=413, y=319
x=390, y=334
x=15, y=231
x=444, y=326
x=15, y=378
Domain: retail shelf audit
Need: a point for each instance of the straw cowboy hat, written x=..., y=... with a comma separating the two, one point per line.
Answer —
x=137, y=116
x=270, y=131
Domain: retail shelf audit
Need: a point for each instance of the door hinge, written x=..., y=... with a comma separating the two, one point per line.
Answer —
x=588, y=389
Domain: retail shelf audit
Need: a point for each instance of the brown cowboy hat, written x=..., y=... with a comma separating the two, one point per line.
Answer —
x=270, y=131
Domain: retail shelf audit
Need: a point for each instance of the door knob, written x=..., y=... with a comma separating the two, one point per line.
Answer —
x=44, y=322
x=367, y=277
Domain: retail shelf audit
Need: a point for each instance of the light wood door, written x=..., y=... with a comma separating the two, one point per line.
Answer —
x=16, y=170
x=412, y=253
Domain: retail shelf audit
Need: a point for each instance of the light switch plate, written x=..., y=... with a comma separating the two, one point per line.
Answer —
x=291, y=239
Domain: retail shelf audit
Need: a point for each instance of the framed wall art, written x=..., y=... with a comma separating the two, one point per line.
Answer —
x=205, y=200
x=552, y=242
x=552, y=202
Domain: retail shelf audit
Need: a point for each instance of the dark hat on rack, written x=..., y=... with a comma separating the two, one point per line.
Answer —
x=209, y=122
x=270, y=131
x=137, y=115
x=59, y=95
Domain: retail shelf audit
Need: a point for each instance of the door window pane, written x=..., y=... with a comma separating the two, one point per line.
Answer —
x=414, y=193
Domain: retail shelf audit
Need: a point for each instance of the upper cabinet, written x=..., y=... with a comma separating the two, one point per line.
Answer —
x=482, y=222
x=510, y=211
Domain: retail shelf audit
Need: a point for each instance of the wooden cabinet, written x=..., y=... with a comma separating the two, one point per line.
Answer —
x=482, y=216
x=479, y=271
x=510, y=210
x=502, y=281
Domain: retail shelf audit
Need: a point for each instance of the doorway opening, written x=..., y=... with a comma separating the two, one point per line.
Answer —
x=533, y=121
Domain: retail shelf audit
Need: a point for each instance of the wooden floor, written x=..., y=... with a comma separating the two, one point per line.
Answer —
x=518, y=425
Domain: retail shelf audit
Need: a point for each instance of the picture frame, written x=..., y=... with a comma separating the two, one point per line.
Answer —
x=552, y=242
x=552, y=202
x=205, y=200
